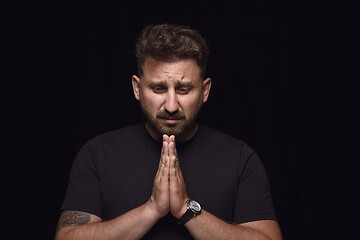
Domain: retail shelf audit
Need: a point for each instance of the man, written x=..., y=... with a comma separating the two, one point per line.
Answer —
x=207, y=185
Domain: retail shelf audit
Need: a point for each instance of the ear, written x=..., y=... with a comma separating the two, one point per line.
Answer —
x=136, y=86
x=206, y=89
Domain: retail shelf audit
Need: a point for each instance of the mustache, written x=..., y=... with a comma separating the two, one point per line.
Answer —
x=177, y=115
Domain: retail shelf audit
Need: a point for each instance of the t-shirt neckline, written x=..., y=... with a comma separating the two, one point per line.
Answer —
x=199, y=130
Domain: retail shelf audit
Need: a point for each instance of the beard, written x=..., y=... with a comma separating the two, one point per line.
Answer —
x=177, y=129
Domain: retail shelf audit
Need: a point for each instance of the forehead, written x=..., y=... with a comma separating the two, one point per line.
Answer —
x=178, y=70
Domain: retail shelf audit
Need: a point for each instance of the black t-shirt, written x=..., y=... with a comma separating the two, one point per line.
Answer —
x=114, y=172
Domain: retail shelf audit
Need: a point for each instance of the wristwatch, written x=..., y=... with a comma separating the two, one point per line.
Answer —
x=192, y=210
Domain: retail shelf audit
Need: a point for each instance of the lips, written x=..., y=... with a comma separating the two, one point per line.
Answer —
x=171, y=120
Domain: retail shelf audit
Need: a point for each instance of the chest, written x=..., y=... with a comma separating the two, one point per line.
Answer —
x=126, y=181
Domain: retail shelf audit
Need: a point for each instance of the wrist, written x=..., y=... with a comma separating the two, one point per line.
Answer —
x=151, y=211
x=182, y=210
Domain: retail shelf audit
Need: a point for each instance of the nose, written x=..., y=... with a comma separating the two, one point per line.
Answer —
x=171, y=102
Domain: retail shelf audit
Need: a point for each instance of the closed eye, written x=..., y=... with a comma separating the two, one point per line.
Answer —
x=158, y=89
x=183, y=90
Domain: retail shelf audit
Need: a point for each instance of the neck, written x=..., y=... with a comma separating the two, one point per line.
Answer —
x=186, y=136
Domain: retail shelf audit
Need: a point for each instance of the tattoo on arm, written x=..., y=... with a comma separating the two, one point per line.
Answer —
x=72, y=218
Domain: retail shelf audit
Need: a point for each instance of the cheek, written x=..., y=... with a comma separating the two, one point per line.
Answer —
x=190, y=103
x=151, y=102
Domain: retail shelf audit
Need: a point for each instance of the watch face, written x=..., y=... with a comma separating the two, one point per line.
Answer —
x=193, y=205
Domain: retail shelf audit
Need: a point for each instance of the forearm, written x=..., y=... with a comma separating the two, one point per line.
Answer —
x=131, y=225
x=207, y=226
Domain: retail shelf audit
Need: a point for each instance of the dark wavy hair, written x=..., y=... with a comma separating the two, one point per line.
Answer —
x=169, y=42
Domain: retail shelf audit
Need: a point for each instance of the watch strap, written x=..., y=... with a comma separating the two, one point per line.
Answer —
x=187, y=216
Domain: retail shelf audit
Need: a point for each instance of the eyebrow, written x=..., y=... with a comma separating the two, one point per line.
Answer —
x=185, y=83
x=156, y=84
x=182, y=83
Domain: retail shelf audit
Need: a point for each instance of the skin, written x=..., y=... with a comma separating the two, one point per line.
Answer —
x=170, y=93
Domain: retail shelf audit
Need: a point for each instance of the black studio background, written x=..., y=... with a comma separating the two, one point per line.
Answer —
x=282, y=73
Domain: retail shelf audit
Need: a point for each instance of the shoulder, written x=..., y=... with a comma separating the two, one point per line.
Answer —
x=110, y=146
x=120, y=140
x=122, y=135
x=219, y=142
x=215, y=137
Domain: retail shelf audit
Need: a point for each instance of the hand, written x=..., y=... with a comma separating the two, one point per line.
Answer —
x=160, y=197
x=178, y=194
x=169, y=190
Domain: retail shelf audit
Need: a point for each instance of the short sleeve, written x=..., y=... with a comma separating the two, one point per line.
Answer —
x=254, y=200
x=83, y=193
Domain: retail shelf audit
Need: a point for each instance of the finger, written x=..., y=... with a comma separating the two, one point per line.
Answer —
x=161, y=157
x=165, y=170
x=172, y=146
x=174, y=172
x=171, y=149
x=165, y=138
x=162, y=169
x=172, y=140
x=166, y=149
x=161, y=160
x=175, y=169
x=164, y=154
x=173, y=153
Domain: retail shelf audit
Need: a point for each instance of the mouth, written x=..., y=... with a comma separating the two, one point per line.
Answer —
x=171, y=121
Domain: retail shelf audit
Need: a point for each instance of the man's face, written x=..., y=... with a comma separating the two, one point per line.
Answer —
x=171, y=95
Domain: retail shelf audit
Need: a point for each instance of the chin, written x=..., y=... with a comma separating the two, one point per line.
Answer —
x=172, y=130
x=176, y=130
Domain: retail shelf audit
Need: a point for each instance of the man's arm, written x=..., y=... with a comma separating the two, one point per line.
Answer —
x=81, y=225
x=207, y=226
x=131, y=225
